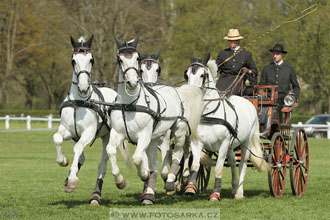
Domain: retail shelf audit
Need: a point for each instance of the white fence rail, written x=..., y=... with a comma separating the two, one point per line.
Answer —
x=310, y=128
x=28, y=120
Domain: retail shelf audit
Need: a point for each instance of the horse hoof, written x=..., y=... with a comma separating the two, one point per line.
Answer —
x=68, y=190
x=147, y=202
x=238, y=197
x=65, y=162
x=72, y=184
x=169, y=186
x=214, y=197
x=170, y=193
x=94, y=203
x=122, y=184
x=147, y=199
x=190, y=189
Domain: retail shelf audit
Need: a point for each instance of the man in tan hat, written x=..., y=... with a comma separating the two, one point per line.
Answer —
x=230, y=67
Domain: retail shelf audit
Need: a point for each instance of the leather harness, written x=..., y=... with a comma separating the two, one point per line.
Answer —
x=90, y=105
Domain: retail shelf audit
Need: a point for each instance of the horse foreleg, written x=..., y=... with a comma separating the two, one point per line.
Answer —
x=114, y=141
x=61, y=135
x=140, y=158
x=148, y=196
x=166, y=151
x=96, y=195
x=86, y=137
x=215, y=196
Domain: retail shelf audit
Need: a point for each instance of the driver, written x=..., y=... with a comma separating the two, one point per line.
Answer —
x=281, y=74
x=240, y=61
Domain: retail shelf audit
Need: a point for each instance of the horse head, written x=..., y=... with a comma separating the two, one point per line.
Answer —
x=150, y=69
x=198, y=73
x=128, y=60
x=82, y=62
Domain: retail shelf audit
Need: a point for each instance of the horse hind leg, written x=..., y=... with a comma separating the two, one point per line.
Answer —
x=61, y=135
x=242, y=171
x=223, y=150
x=232, y=163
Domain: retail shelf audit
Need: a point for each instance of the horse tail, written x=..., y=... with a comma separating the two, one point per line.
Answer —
x=193, y=106
x=256, y=156
x=123, y=148
x=206, y=160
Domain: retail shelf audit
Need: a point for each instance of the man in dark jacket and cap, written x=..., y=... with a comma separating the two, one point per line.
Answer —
x=281, y=74
x=234, y=60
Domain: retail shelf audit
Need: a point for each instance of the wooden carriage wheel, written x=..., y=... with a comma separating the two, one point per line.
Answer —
x=299, y=162
x=203, y=178
x=202, y=181
x=277, y=158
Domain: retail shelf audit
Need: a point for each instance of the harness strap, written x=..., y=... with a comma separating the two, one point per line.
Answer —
x=212, y=120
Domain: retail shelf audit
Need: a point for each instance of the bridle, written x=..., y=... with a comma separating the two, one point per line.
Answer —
x=127, y=53
x=85, y=50
x=205, y=75
x=137, y=70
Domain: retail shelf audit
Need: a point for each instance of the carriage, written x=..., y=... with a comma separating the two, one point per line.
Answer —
x=282, y=148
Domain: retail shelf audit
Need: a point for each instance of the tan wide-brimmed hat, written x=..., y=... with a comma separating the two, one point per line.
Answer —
x=233, y=34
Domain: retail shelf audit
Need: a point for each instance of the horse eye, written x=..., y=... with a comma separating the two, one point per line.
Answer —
x=202, y=75
x=73, y=62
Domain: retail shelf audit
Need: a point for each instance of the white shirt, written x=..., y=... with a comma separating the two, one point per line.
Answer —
x=236, y=49
x=279, y=63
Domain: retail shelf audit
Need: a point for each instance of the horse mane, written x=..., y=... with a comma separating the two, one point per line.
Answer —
x=81, y=39
x=213, y=68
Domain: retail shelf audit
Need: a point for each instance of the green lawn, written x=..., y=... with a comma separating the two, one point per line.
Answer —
x=32, y=186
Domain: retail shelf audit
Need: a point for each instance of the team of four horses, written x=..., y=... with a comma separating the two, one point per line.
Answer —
x=194, y=117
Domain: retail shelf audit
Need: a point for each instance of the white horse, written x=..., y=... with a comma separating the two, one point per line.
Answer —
x=79, y=121
x=222, y=120
x=150, y=72
x=145, y=116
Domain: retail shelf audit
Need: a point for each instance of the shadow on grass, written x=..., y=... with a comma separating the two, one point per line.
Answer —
x=131, y=199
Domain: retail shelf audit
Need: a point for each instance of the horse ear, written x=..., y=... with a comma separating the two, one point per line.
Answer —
x=206, y=58
x=192, y=58
x=72, y=41
x=119, y=44
x=90, y=41
x=157, y=54
x=142, y=55
x=135, y=42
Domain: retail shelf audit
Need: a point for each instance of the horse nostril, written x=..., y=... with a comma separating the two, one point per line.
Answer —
x=129, y=83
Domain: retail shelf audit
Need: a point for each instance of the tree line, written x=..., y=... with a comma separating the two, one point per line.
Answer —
x=35, y=49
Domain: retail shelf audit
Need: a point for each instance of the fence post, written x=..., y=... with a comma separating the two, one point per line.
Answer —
x=7, y=122
x=28, y=122
x=328, y=123
x=50, y=119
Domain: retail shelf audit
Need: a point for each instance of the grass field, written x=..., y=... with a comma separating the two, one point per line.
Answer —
x=32, y=186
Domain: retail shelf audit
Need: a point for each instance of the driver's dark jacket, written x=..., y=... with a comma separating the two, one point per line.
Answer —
x=230, y=69
x=282, y=75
